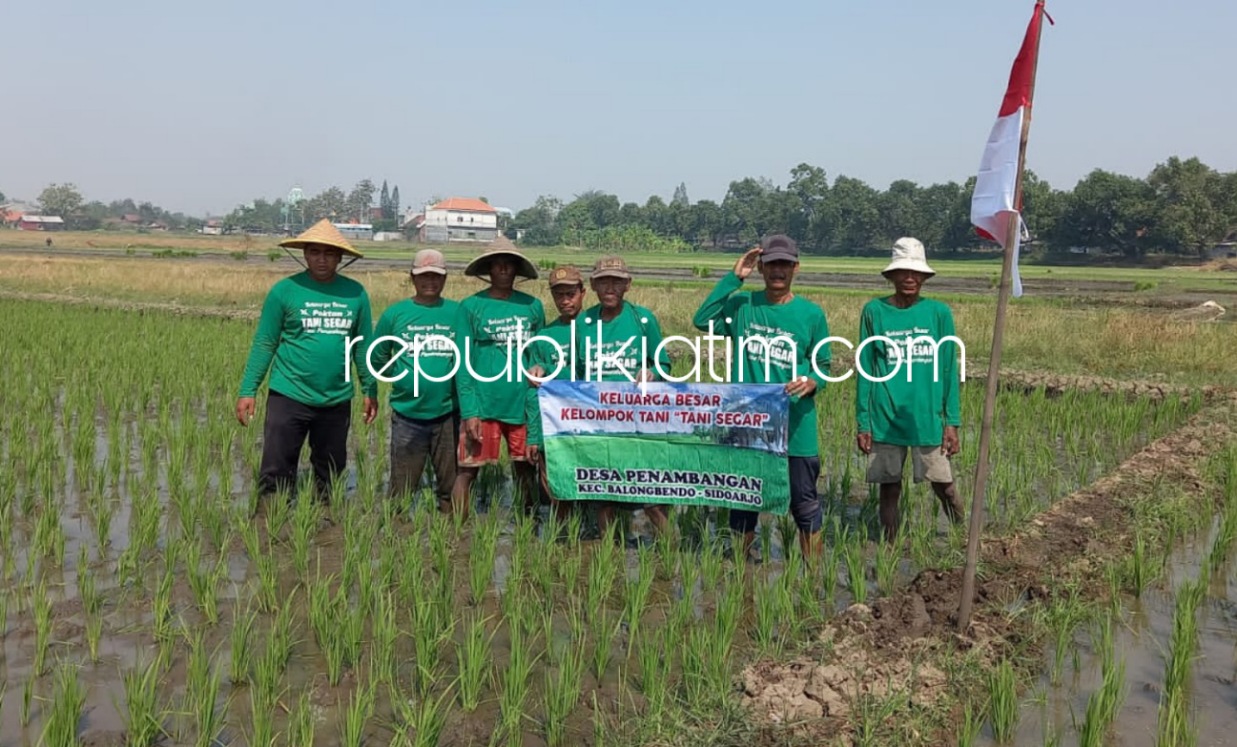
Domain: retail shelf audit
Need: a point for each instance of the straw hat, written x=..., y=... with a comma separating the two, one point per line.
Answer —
x=322, y=232
x=480, y=267
x=908, y=254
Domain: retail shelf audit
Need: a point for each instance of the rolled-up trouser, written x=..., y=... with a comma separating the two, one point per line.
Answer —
x=413, y=442
x=288, y=422
x=804, y=501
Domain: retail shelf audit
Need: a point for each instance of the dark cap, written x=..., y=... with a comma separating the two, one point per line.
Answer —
x=779, y=247
x=565, y=275
x=611, y=266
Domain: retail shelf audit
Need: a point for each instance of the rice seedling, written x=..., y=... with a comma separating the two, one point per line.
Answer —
x=603, y=634
x=202, y=582
x=262, y=711
x=241, y=649
x=68, y=697
x=301, y=722
x=768, y=612
x=638, y=593
x=42, y=608
x=562, y=692
x=1104, y=703
x=421, y=724
x=94, y=633
x=27, y=697
x=972, y=722
x=356, y=716
x=306, y=517
x=856, y=567
x=766, y=542
x=569, y=566
x=654, y=660
x=1174, y=726
x=161, y=608
x=429, y=633
x=473, y=655
x=710, y=565
x=513, y=690
x=887, y=557
x=204, y=705
x=143, y=722
x=600, y=582
x=1003, y=706
x=384, y=632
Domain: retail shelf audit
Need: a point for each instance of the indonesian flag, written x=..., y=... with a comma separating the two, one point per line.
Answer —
x=992, y=204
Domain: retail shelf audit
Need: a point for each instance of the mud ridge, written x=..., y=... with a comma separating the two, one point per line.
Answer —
x=905, y=641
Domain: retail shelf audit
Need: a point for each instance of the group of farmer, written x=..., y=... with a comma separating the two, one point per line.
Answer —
x=455, y=418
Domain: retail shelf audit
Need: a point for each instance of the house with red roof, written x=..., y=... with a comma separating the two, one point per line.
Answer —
x=459, y=219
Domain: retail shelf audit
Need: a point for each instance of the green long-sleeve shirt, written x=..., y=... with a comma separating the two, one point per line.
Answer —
x=628, y=345
x=546, y=355
x=898, y=411
x=783, y=338
x=301, y=339
x=488, y=324
x=426, y=386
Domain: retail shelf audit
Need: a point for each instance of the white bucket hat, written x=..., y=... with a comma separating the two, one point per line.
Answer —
x=908, y=254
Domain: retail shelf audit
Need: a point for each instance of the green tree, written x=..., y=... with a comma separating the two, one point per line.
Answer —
x=1191, y=212
x=680, y=196
x=3, y=199
x=852, y=215
x=540, y=222
x=359, y=200
x=384, y=202
x=395, y=214
x=810, y=185
x=60, y=199
x=1108, y=211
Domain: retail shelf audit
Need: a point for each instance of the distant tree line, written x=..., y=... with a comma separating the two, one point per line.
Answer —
x=276, y=216
x=1183, y=207
x=66, y=201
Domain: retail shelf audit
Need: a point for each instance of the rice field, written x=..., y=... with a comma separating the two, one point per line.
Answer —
x=147, y=598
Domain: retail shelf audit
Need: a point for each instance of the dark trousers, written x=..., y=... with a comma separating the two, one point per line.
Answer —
x=288, y=422
x=413, y=443
x=804, y=501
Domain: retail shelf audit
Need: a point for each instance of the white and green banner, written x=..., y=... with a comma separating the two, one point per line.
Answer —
x=720, y=445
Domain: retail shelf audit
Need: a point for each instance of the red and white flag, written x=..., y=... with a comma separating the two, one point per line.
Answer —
x=992, y=205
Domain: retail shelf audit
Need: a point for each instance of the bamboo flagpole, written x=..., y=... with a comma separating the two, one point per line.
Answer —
x=996, y=211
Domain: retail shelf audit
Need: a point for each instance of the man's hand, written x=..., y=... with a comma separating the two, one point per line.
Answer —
x=803, y=386
x=747, y=263
x=865, y=442
x=371, y=410
x=534, y=454
x=245, y=407
x=472, y=430
x=950, y=444
x=535, y=375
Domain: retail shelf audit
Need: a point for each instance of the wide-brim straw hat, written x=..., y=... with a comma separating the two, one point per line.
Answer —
x=322, y=232
x=908, y=254
x=502, y=246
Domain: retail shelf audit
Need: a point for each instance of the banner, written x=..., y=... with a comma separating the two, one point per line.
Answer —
x=721, y=445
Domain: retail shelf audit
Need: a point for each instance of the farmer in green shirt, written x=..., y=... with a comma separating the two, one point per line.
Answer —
x=306, y=334
x=629, y=336
x=493, y=395
x=917, y=408
x=425, y=421
x=780, y=338
x=551, y=359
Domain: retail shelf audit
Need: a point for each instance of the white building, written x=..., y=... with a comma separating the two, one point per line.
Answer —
x=459, y=219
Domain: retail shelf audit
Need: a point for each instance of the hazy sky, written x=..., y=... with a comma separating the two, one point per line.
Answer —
x=201, y=106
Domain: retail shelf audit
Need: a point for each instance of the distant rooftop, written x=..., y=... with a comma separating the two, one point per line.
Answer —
x=464, y=205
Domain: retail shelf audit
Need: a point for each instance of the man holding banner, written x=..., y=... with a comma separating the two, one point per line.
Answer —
x=550, y=358
x=618, y=341
x=779, y=338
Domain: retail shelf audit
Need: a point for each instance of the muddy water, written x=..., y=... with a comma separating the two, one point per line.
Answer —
x=1142, y=640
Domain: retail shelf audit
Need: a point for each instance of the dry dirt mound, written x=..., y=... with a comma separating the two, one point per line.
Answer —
x=1220, y=265
x=1208, y=311
x=901, y=644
